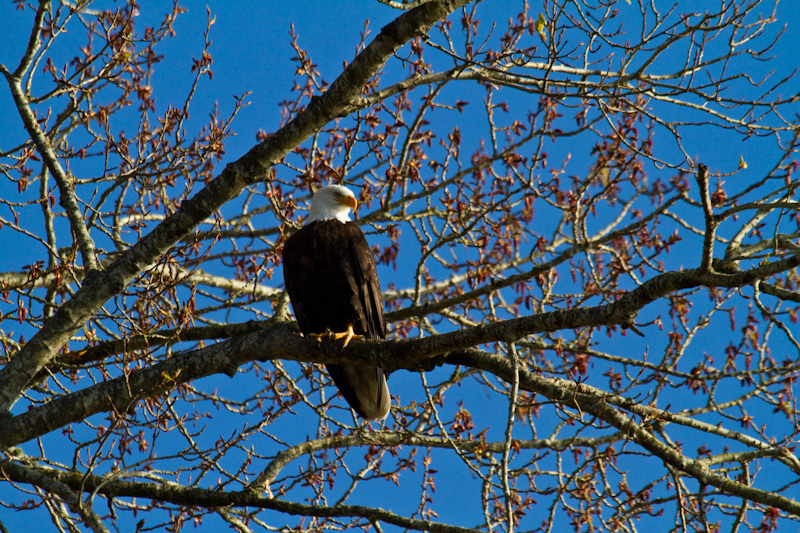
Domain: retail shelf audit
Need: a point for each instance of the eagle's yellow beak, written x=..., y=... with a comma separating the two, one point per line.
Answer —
x=349, y=201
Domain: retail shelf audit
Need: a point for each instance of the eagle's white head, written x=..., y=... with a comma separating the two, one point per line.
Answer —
x=333, y=201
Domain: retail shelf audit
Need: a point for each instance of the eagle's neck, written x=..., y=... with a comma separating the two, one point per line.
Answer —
x=320, y=213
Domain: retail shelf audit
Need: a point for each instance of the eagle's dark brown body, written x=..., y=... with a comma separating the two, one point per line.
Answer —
x=332, y=282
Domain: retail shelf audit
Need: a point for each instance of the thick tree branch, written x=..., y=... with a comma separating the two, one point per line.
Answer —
x=278, y=342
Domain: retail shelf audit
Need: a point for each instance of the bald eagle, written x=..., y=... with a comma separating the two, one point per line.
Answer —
x=332, y=283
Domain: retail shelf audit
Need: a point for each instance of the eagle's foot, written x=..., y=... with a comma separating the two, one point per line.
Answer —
x=348, y=336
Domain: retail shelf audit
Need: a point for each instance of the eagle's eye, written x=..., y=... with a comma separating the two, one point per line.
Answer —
x=337, y=194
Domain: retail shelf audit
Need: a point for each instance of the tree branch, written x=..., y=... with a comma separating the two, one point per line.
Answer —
x=65, y=184
x=278, y=342
x=711, y=223
x=110, y=486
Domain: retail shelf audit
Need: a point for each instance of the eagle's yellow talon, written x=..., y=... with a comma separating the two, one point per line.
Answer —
x=347, y=336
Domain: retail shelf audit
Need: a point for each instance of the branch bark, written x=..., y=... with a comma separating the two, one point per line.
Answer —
x=278, y=342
